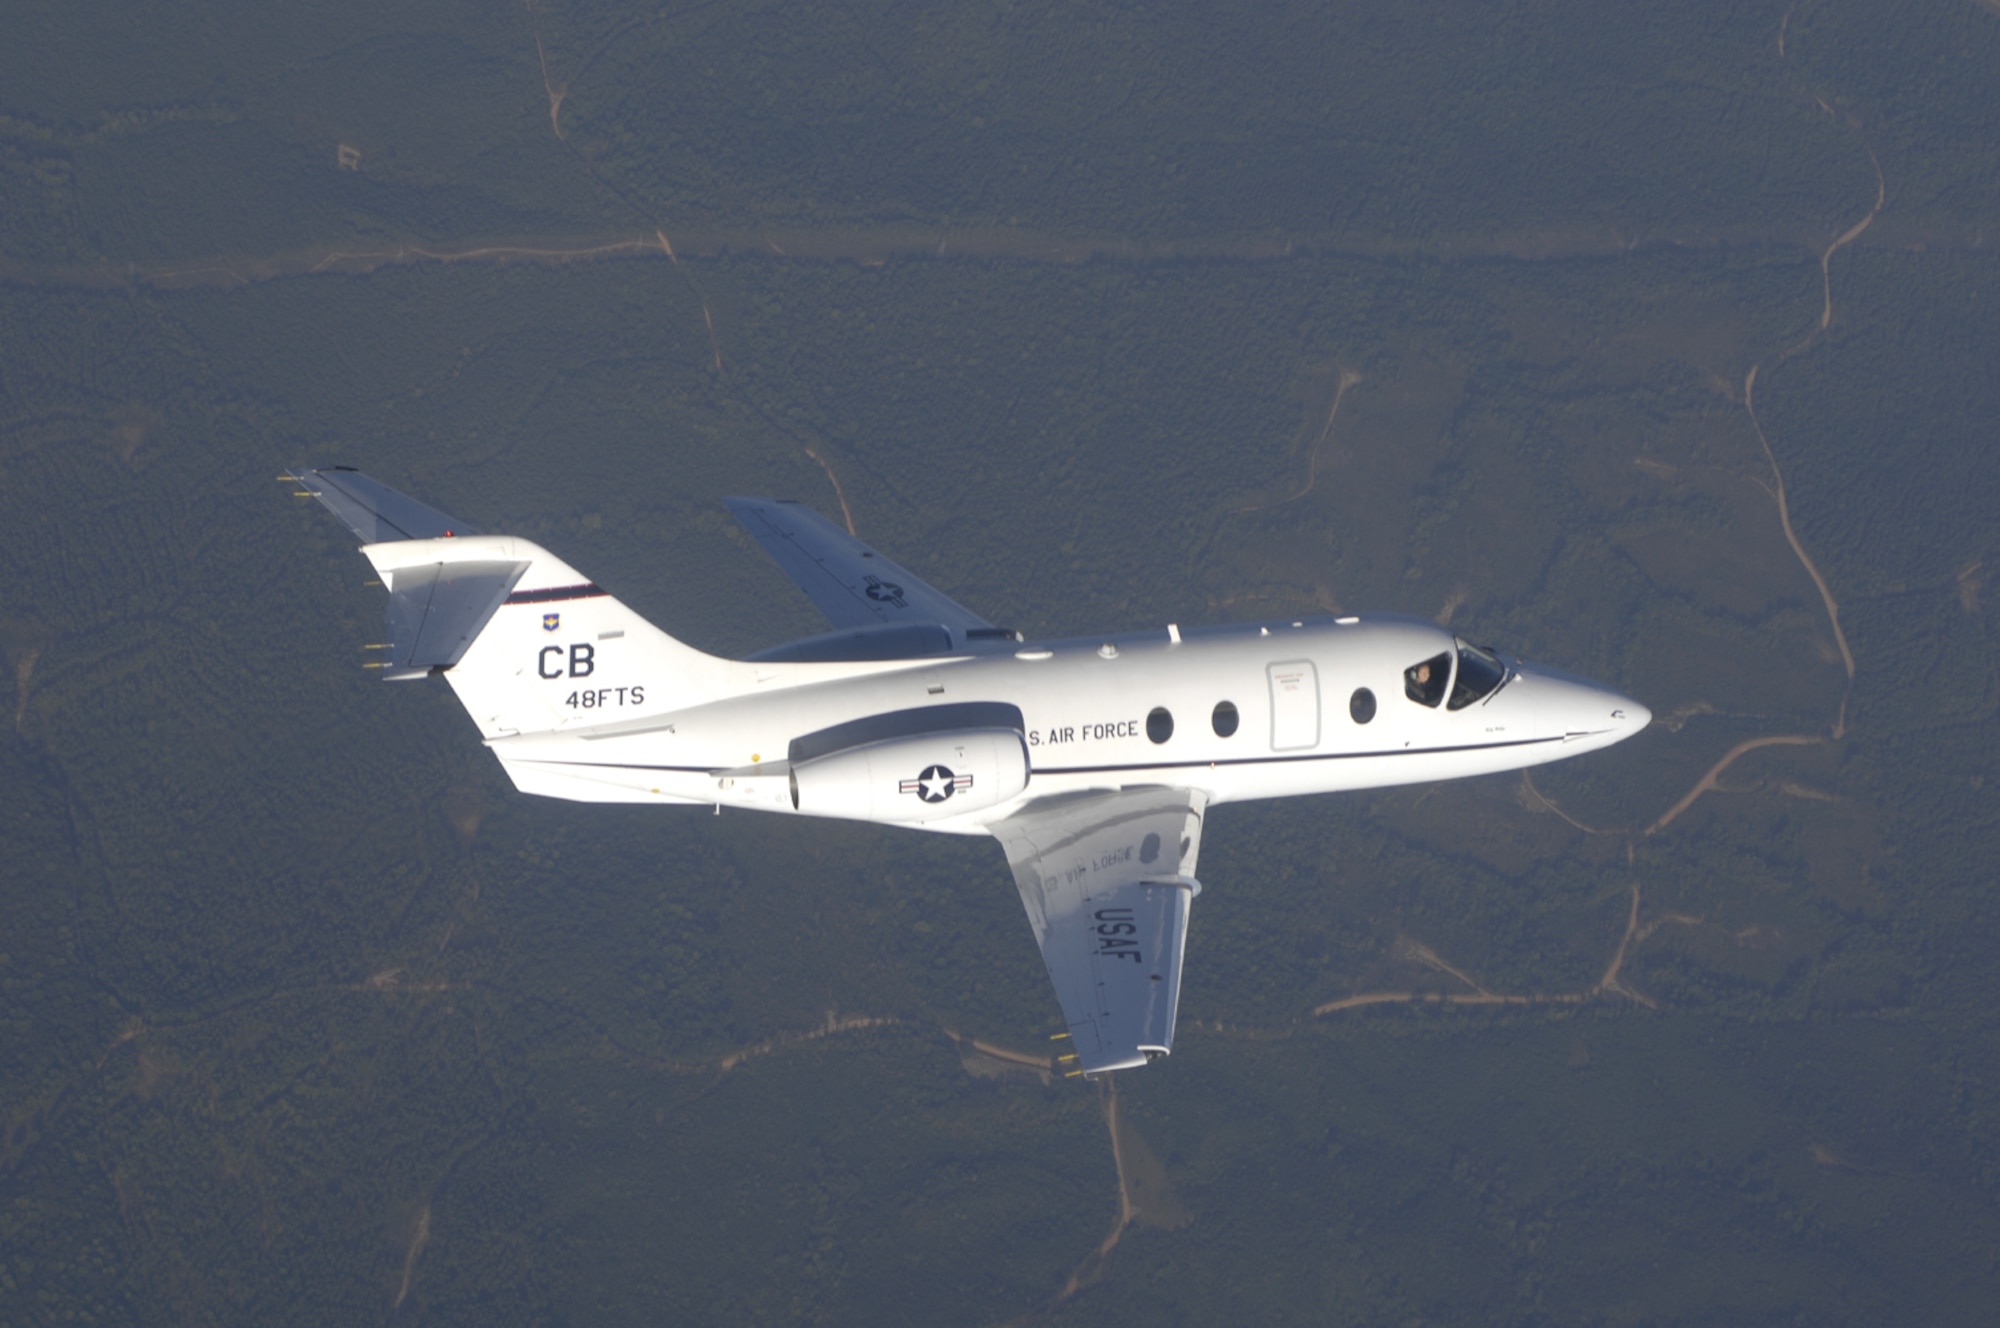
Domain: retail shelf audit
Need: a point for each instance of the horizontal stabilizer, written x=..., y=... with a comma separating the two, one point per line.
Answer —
x=441, y=597
x=371, y=509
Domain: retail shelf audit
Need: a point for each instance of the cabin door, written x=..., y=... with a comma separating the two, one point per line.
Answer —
x=1294, y=705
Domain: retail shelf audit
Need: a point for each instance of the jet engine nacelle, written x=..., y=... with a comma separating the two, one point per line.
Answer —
x=927, y=777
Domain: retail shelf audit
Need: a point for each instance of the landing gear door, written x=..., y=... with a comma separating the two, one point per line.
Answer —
x=1294, y=705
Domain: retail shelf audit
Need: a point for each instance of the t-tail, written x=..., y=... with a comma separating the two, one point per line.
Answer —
x=529, y=644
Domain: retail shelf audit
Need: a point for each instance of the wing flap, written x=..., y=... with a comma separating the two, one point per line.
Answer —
x=850, y=583
x=1107, y=881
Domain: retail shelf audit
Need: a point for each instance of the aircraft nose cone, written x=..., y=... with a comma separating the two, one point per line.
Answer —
x=1631, y=714
x=1578, y=710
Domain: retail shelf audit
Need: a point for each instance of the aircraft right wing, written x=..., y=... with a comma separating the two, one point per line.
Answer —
x=850, y=583
x=1107, y=879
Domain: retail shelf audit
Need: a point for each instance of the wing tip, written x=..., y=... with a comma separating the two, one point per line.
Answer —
x=1136, y=1059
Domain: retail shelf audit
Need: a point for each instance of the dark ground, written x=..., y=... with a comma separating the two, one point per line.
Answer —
x=305, y=1016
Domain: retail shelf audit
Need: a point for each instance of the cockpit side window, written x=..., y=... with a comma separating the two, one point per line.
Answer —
x=1480, y=674
x=1425, y=683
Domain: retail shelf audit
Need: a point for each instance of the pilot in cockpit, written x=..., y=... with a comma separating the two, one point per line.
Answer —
x=1425, y=683
x=1480, y=674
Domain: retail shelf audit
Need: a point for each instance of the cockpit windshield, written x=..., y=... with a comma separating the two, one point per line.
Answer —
x=1425, y=683
x=1480, y=674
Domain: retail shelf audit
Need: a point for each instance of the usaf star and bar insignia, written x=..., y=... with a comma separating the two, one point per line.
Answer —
x=936, y=784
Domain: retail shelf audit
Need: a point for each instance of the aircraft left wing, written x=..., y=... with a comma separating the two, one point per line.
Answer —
x=850, y=583
x=1107, y=879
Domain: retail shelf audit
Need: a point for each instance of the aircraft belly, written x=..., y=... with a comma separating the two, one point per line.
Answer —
x=593, y=783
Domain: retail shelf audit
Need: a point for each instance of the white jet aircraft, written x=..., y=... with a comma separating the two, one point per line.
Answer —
x=1092, y=761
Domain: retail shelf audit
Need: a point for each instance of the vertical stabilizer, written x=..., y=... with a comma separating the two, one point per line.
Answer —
x=551, y=651
x=530, y=644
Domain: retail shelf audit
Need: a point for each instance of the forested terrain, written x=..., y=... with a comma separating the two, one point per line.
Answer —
x=1657, y=343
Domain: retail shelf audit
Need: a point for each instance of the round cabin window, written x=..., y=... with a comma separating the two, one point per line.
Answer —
x=1160, y=724
x=1225, y=719
x=1361, y=705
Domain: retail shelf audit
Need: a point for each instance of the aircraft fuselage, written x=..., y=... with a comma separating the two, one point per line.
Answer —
x=1258, y=710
